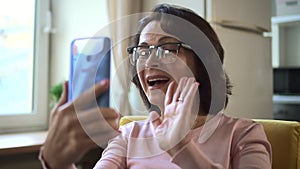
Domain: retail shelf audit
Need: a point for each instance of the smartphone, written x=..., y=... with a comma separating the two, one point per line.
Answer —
x=89, y=64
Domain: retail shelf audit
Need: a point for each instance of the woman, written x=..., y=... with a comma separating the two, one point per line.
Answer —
x=170, y=62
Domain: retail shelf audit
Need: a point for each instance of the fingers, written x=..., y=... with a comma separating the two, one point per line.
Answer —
x=87, y=124
x=184, y=86
x=158, y=121
x=180, y=87
x=188, y=94
x=191, y=93
x=88, y=96
x=179, y=115
x=102, y=127
x=188, y=86
x=99, y=120
x=101, y=87
x=97, y=113
x=169, y=95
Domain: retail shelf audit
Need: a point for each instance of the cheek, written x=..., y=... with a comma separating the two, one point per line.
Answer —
x=140, y=74
x=193, y=63
x=180, y=69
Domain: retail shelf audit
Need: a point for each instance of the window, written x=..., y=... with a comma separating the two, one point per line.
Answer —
x=23, y=65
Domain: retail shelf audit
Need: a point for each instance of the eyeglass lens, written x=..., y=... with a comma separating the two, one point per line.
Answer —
x=165, y=53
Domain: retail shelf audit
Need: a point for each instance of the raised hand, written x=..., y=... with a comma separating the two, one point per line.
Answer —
x=181, y=109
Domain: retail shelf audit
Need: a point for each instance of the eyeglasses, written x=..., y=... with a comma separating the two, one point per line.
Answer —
x=166, y=53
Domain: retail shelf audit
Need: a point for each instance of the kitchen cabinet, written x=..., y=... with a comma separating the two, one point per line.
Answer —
x=286, y=107
x=286, y=41
x=286, y=56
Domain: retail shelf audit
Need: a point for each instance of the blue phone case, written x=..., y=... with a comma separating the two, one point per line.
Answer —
x=89, y=64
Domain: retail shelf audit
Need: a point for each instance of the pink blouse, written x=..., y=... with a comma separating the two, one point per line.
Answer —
x=223, y=142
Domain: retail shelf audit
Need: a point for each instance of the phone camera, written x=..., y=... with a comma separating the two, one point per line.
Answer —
x=89, y=58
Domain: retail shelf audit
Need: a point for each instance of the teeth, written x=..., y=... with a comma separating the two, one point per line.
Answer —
x=157, y=79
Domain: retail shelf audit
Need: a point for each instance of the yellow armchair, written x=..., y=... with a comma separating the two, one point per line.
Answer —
x=284, y=137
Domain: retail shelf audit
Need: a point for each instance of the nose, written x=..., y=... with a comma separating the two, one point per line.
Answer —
x=152, y=60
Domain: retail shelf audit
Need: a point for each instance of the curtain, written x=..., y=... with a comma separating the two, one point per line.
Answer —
x=121, y=28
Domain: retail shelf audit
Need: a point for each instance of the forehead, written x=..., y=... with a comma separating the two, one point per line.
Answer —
x=153, y=33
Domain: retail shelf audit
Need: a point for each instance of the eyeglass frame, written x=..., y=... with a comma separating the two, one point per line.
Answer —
x=133, y=49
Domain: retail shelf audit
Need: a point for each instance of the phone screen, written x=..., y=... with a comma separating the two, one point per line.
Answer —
x=90, y=63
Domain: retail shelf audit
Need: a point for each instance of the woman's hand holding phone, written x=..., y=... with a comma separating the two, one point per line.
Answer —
x=73, y=131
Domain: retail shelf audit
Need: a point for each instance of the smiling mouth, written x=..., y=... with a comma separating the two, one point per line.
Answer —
x=156, y=82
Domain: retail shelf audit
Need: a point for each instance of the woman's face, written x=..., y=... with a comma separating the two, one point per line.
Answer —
x=155, y=76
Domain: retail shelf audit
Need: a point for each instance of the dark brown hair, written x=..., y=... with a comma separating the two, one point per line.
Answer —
x=161, y=13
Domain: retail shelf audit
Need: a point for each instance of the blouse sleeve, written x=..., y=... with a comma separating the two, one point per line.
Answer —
x=250, y=149
x=114, y=156
x=45, y=164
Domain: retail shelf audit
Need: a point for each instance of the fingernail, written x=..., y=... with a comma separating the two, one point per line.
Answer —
x=118, y=115
x=104, y=82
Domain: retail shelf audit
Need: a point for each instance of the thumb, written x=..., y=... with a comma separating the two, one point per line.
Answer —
x=62, y=100
x=64, y=96
x=101, y=87
x=155, y=115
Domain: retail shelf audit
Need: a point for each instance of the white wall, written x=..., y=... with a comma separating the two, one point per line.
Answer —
x=72, y=19
x=195, y=5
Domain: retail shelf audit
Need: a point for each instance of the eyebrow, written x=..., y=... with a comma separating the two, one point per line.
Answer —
x=160, y=40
